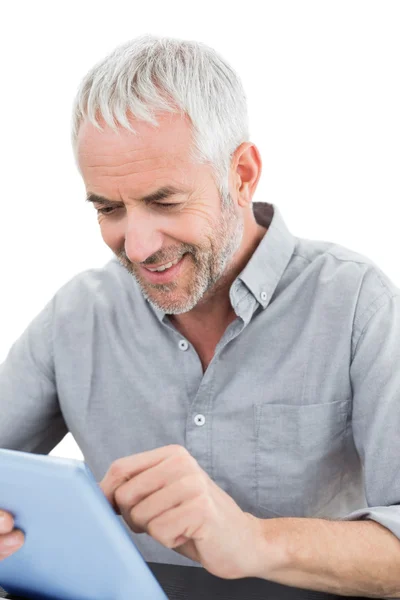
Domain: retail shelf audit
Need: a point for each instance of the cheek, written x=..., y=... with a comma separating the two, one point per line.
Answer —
x=192, y=228
x=200, y=216
x=195, y=227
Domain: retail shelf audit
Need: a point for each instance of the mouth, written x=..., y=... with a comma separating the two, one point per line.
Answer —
x=165, y=276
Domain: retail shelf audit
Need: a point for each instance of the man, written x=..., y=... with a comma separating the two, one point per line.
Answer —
x=232, y=387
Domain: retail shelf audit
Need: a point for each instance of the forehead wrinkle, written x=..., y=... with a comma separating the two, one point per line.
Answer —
x=127, y=174
x=133, y=150
x=160, y=152
x=165, y=159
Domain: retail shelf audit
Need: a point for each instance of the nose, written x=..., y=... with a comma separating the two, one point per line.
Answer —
x=142, y=236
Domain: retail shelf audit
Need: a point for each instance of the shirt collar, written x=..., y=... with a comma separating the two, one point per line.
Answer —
x=267, y=264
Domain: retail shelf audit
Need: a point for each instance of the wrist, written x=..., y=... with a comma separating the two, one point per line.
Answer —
x=271, y=555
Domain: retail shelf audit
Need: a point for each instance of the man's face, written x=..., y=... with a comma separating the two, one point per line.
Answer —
x=190, y=226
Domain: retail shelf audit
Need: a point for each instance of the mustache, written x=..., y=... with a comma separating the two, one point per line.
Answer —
x=157, y=258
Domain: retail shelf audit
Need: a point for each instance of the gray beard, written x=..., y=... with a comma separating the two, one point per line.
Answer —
x=209, y=265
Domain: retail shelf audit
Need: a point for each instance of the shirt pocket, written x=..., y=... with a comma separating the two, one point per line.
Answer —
x=299, y=457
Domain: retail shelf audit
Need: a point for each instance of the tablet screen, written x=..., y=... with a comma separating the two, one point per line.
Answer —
x=75, y=546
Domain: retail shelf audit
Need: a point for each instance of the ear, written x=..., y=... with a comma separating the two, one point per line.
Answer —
x=246, y=165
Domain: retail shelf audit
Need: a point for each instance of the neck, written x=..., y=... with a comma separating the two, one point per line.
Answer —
x=214, y=312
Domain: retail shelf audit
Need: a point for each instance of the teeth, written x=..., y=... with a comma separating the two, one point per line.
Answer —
x=167, y=266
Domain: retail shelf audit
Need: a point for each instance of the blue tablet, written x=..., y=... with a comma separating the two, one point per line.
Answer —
x=75, y=546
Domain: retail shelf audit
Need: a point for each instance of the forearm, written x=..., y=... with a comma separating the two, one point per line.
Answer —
x=354, y=558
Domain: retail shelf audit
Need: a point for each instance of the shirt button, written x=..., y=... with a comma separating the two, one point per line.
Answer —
x=263, y=296
x=199, y=420
x=183, y=345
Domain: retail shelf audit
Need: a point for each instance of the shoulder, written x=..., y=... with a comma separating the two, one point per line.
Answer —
x=349, y=273
x=106, y=289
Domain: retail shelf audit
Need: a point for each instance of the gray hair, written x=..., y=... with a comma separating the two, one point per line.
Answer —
x=152, y=73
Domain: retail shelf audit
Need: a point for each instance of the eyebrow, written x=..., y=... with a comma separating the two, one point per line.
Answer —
x=160, y=194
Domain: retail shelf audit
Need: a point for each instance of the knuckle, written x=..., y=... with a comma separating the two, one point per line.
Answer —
x=193, y=462
x=179, y=462
x=120, y=496
x=184, y=461
x=195, y=483
x=179, y=450
x=204, y=503
x=194, y=465
x=135, y=515
x=156, y=533
x=116, y=470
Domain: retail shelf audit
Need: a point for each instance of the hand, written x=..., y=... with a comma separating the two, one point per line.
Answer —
x=7, y=534
x=165, y=493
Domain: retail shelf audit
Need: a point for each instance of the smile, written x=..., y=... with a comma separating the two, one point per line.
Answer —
x=164, y=267
x=165, y=273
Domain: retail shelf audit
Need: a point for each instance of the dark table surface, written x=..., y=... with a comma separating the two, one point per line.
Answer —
x=193, y=583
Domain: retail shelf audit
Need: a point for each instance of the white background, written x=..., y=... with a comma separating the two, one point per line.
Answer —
x=322, y=82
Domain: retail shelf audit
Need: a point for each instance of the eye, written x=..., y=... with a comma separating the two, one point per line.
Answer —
x=107, y=210
x=164, y=205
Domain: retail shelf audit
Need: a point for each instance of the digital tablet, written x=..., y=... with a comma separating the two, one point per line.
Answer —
x=75, y=546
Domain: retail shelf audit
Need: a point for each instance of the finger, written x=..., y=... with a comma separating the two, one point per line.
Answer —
x=178, y=492
x=172, y=469
x=11, y=542
x=182, y=522
x=126, y=468
x=6, y=522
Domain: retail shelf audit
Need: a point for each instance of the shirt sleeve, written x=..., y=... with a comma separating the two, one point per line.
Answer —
x=31, y=418
x=375, y=379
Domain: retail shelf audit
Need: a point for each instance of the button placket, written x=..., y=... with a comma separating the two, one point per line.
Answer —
x=198, y=435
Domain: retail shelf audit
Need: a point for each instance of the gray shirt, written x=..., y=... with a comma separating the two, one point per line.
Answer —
x=297, y=414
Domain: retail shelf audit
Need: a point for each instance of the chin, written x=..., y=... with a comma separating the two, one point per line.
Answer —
x=173, y=308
